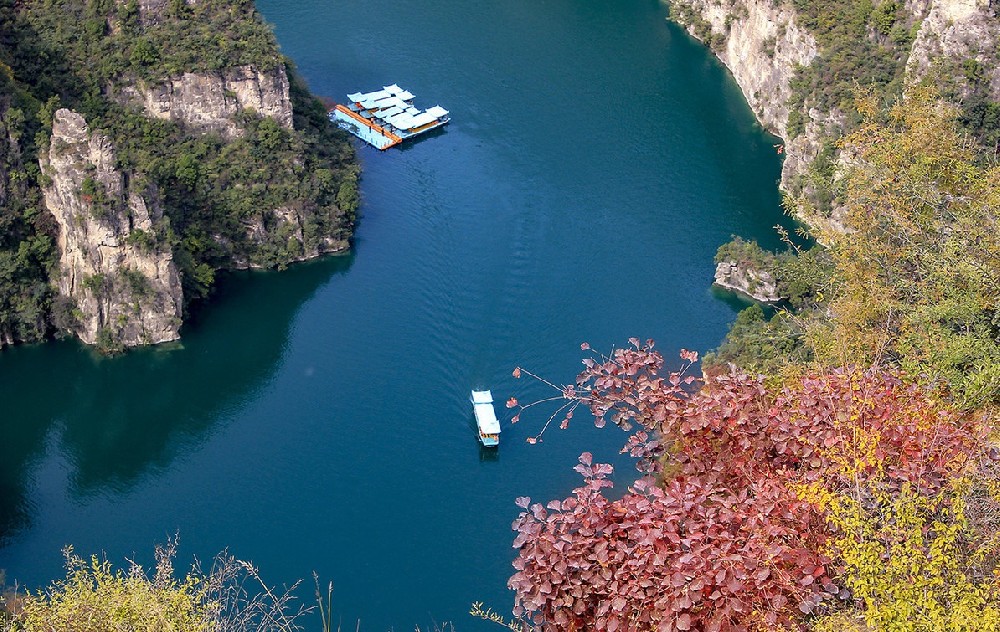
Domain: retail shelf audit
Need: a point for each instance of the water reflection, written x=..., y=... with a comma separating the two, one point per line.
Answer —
x=488, y=455
x=118, y=419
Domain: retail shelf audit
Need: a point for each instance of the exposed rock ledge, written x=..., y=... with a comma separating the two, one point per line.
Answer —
x=210, y=102
x=759, y=285
x=124, y=289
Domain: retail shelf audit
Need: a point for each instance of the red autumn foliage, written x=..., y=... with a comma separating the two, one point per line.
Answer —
x=725, y=543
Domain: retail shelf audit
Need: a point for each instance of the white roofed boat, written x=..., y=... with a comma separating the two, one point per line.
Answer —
x=486, y=418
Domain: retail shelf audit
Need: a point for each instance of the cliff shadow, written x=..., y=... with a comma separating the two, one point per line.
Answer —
x=116, y=420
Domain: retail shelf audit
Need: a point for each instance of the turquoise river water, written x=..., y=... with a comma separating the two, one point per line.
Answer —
x=317, y=419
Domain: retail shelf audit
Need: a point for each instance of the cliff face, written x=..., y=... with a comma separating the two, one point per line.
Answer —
x=186, y=145
x=274, y=228
x=210, y=102
x=761, y=44
x=740, y=277
x=958, y=30
x=124, y=287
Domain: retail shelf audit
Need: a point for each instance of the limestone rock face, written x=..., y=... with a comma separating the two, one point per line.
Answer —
x=761, y=46
x=958, y=30
x=757, y=284
x=125, y=288
x=210, y=102
x=267, y=230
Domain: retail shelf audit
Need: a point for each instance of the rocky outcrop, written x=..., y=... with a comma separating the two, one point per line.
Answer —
x=958, y=30
x=759, y=285
x=761, y=44
x=125, y=288
x=210, y=102
x=289, y=229
x=152, y=11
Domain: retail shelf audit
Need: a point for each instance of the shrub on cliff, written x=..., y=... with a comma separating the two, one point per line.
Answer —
x=773, y=503
x=916, y=281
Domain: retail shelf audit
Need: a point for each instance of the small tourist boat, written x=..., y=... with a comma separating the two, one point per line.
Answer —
x=486, y=418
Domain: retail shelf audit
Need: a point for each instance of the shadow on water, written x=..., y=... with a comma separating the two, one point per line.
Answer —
x=424, y=136
x=117, y=419
x=739, y=302
x=488, y=455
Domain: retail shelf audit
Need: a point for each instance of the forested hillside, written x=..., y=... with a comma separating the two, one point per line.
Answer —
x=893, y=124
x=834, y=468
x=148, y=145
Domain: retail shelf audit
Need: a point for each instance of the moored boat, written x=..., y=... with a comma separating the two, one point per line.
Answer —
x=386, y=117
x=486, y=418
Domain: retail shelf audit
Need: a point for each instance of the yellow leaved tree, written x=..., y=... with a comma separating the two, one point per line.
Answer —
x=918, y=269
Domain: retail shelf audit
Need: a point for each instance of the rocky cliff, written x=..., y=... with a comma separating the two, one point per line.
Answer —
x=958, y=38
x=210, y=102
x=123, y=287
x=762, y=45
x=765, y=46
x=172, y=141
x=759, y=285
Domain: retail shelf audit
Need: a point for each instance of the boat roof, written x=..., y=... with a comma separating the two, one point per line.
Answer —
x=421, y=120
x=389, y=112
x=401, y=121
x=486, y=417
x=391, y=102
x=388, y=92
x=395, y=109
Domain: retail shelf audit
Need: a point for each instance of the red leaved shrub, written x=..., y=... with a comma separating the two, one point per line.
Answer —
x=724, y=542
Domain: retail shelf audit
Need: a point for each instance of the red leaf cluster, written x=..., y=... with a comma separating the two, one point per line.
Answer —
x=725, y=543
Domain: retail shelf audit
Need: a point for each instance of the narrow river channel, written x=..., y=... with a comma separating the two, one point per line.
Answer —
x=317, y=419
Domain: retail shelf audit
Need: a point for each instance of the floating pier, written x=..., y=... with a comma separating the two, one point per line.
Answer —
x=386, y=117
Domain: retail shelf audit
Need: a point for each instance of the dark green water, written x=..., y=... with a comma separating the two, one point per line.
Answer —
x=317, y=419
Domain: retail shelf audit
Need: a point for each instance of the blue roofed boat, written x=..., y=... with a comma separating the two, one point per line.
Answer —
x=486, y=418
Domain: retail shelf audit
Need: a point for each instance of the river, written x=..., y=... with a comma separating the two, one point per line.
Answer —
x=317, y=419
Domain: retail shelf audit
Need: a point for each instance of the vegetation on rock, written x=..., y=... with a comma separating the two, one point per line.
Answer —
x=860, y=41
x=269, y=197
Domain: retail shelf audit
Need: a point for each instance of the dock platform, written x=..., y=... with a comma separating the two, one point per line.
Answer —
x=385, y=118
